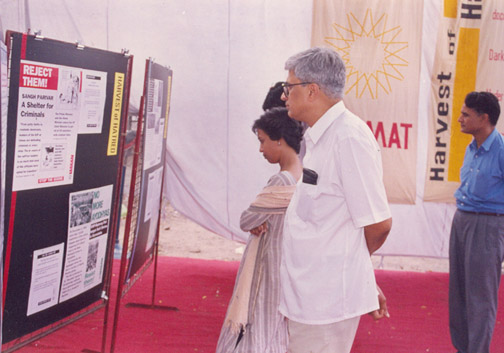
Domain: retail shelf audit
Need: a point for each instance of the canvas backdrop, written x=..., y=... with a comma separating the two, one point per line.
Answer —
x=225, y=54
x=380, y=43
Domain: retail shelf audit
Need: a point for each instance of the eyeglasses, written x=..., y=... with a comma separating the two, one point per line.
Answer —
x=286, y=86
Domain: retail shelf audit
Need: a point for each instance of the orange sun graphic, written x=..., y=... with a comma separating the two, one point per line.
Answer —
x=371, y=52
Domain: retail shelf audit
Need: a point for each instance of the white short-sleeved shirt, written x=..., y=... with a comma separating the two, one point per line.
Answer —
x=326, y=271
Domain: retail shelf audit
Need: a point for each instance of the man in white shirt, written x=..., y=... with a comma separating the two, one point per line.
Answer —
x=338, y=215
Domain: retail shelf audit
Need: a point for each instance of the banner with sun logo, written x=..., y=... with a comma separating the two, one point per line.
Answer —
x=469, y=57
x=380, y=43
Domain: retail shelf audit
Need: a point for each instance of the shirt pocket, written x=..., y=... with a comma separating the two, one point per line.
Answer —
x=307, y=195
x=485, y=183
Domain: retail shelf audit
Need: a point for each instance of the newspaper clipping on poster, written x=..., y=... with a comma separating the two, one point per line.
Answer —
x=45, y=278
x=88, y=229
x=55, y=104
x=154, y=127
x=152, y=204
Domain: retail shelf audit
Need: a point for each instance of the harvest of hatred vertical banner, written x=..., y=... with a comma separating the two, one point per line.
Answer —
x=469, y=57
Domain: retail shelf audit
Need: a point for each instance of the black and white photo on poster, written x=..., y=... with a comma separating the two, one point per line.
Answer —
x=88, y=230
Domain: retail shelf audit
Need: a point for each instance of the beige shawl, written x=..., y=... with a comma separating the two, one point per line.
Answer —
x=271, y=200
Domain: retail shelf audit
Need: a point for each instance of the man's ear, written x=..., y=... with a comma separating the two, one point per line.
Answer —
x=313, y=90
x=485, y=118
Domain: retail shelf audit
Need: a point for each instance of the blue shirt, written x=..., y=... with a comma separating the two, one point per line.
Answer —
x=482, y=176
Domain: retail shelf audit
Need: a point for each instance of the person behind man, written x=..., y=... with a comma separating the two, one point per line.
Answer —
x=338, y=215
x=274, y=97
x=477, y=233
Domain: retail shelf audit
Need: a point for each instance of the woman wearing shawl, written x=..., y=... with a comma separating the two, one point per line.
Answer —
x=253, y=322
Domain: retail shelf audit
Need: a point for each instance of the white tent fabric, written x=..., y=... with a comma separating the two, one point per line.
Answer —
x=225, y=54
x=418, y=230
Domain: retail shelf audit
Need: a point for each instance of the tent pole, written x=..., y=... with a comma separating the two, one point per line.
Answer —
x=27, y=16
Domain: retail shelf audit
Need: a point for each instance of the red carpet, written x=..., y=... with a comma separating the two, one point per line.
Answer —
x=200, y=289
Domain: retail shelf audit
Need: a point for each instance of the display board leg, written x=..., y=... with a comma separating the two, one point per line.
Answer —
x=153, y=305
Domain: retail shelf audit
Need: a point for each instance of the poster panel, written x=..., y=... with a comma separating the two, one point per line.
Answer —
x=157, y=90
x=64, y=119
x=469, y=57
x=380, y=43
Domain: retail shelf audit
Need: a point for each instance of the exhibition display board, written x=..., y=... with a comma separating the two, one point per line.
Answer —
x=141, y=234
x=65, y=127
x=144, y=227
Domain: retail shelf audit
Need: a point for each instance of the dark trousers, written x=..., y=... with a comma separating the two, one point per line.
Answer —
x=476, y=255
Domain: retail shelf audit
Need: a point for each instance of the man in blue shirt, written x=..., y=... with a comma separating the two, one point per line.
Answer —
x=477, y=234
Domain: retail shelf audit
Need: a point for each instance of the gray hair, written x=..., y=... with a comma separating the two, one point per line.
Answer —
x=322, y=66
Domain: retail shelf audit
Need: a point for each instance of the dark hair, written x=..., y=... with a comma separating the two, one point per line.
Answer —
x=274, y=97
x=484, y=103
x=277, y=124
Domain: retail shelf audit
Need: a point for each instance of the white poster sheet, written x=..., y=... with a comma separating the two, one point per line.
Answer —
x=88, y=229
x=92, y=102
x=45, y=278
x=153, y=193
x=154, y=125
x=55, y=104
x=152, y=204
